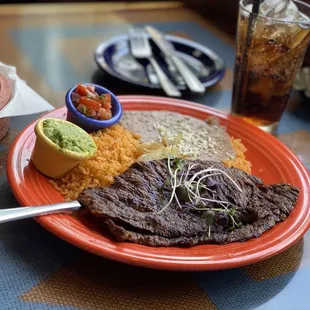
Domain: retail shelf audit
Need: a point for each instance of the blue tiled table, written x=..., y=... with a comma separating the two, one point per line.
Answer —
x=39, y=271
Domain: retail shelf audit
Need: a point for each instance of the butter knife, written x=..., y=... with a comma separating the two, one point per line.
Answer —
x=191, y=80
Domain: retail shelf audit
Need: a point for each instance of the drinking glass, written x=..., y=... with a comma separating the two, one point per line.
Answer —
x=269, y=54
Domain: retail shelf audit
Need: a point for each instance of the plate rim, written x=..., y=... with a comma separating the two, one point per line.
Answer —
x=102, y=64
x=164, y=263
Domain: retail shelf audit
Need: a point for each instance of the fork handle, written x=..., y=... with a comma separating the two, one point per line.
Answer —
x=164, y=81
x=7, y=215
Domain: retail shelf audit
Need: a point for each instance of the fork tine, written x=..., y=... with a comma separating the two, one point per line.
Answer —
x=132, y=33
x=141, y=34
x=134, y=42
x=141, y=49
x=135, y=36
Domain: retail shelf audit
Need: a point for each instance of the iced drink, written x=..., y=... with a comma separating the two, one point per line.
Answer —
x=269, y=54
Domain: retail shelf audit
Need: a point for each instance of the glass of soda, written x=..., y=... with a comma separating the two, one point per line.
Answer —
x=270, y=49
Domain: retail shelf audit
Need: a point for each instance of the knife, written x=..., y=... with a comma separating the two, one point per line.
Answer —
x=168, y=50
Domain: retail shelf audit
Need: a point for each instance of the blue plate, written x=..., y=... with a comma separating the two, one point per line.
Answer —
x=114, y=58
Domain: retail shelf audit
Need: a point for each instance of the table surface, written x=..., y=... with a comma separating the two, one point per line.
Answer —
x=52, y=47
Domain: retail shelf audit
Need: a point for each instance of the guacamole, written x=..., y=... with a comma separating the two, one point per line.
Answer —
x=69, y=137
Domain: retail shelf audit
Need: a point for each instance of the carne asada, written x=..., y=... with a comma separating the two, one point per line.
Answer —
x=184, y=203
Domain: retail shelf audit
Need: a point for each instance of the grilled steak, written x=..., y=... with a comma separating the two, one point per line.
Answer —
x=130, y=208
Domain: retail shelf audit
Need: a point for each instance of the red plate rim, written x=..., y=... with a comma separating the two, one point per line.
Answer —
x=160, y=258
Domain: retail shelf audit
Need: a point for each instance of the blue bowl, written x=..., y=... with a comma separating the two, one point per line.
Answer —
x=88, y=124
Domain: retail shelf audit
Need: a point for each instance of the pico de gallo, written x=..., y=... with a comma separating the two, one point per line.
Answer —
x=88, y=102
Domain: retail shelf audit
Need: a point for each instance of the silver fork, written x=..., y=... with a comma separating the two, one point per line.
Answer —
x=8, y=215
x=141, y=49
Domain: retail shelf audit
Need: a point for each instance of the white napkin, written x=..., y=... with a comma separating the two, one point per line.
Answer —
x=24, y=100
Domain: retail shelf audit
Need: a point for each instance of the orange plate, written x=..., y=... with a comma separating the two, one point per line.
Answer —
x=271, y=160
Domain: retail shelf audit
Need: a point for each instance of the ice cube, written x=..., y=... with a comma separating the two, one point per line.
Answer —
x=290, y=12
x=282, y=9
x=271, y=8
x=248, y=8
x=304, y=18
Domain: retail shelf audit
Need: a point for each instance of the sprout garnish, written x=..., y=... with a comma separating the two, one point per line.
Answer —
x=174, y=176
x=187, y=188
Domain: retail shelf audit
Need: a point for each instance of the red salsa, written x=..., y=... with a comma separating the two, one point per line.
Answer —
x=88, y=102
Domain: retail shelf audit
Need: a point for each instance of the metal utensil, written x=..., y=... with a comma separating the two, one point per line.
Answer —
x=141, y=49
x=8, y=215
x=168, y=50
